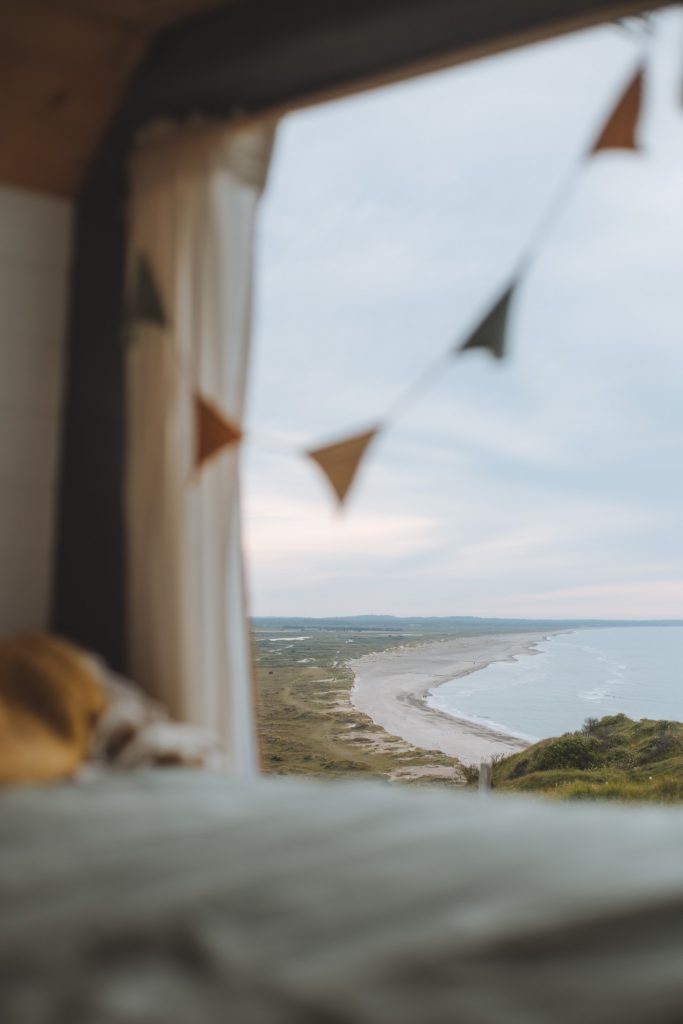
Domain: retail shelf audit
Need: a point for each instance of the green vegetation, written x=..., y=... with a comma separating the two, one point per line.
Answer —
x=613, y=758
x=307, y=724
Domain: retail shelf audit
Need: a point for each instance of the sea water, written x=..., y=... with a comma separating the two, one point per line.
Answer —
x=637, y=671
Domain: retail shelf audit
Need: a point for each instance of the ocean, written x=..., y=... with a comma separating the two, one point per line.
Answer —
x=586, y=673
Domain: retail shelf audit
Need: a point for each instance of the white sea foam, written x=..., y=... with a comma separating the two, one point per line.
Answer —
x=482, y=720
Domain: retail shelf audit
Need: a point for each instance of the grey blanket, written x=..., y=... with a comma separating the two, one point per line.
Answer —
x=172, y=896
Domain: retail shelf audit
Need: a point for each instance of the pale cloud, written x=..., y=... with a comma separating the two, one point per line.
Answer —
x=628, y=599
x=285, y=530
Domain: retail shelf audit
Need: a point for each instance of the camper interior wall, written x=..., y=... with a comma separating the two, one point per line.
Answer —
x=34, y=262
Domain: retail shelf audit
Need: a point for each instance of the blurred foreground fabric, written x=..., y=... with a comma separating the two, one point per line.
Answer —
x=51, y=697
x=174, y=896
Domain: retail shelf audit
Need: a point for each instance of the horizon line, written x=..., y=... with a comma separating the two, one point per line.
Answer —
x=479, y=618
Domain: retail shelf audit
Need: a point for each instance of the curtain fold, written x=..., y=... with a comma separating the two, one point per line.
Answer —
x=193, y=201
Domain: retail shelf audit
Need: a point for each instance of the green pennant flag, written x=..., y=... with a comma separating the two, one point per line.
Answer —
x=340, y=461
x=146, y=305
x=490, y=333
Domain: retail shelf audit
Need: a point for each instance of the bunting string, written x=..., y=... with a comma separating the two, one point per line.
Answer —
x=340, y=459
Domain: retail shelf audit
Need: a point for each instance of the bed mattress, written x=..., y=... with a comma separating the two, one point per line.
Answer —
x=174, y=896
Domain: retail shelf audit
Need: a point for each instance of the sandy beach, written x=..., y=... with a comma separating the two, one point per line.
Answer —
x=391, y=687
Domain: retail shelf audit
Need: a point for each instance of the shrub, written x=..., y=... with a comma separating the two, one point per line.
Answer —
x=571, y=751
x=471, y=773
x=665, y=745
x=613, y=758
x=520, y=768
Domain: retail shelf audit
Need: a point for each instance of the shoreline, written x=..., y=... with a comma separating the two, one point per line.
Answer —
x=392, y=687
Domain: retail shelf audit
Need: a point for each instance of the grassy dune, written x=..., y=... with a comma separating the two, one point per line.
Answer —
x=613, y=758
x=307, y=723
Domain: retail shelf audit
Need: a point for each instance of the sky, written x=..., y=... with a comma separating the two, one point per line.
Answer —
x=548, y=485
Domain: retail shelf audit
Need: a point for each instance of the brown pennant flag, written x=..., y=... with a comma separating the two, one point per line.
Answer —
x=490, y=333
x=213, y=431
x=339, y=462
x=620, y=129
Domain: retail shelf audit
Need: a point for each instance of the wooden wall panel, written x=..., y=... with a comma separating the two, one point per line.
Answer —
x=34, y=266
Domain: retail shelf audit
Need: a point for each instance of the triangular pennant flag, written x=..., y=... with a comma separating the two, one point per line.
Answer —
x=213, y=431
x=145, y=302
x=339, y=462
x=620, y=130
x=491, y=331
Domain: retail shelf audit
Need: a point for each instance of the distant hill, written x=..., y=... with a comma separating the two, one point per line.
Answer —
x=445, y=624
x=612, y=758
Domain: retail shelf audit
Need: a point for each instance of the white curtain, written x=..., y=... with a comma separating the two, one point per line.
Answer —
x=194, y=196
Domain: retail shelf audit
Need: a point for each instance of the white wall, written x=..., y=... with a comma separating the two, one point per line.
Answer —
x=34, y=261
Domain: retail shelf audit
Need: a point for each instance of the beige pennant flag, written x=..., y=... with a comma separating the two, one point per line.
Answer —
x=622, y=124
x=490, y=333
x=339, y=462
x=213, y=431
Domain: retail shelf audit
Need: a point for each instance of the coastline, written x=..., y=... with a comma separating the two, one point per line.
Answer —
x=392, y=689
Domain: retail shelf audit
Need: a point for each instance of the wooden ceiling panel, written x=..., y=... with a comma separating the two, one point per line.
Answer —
x=63, y=67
